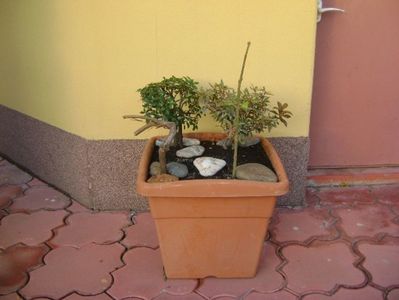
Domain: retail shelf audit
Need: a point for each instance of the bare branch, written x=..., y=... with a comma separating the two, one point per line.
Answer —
x=152, y=122
x=144, y=128
x=237, y=114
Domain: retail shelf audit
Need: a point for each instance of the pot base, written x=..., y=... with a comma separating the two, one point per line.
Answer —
x=215, y=241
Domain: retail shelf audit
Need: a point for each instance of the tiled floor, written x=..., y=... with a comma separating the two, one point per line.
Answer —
x=344, y=245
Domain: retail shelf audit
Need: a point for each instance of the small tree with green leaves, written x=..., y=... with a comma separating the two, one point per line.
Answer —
x=173, y=100
x=242, y=112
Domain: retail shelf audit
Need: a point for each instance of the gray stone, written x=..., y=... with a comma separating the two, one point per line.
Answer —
x=249, y=141
x=177, y=169
x=159, y=142
x=225, y=143
x=244, y=142
x=155, y=168
x=186, y=142
x=209, y=166
x=256, y=172
x=190, y=151
x=190, y=142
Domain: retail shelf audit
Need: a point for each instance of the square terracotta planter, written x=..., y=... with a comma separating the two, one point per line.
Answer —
x=211, y=227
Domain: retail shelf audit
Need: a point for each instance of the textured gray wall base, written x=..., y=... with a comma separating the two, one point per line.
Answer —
x=53, y=155
x=113, y=166
x=294, y=153
x=101, y=174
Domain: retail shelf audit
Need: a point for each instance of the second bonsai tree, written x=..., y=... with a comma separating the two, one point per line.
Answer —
x=241, y=113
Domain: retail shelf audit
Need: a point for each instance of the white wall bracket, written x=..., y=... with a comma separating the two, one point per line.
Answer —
x=321, y=10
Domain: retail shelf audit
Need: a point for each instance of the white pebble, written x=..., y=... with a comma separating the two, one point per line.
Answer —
x=209, y=166
x=191, y=151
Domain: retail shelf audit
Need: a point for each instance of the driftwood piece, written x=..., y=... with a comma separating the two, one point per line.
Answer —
x=152, y=122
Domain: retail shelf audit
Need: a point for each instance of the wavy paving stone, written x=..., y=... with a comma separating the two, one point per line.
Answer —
x=311, y=195
x=387, y=194
x=40, y=197
x=336, y=197
x=130, y=298
x=67, y=269
x=366, y=293
x=86, y=227
x=367, y=220
x=395, y=209
x=382, y=262
x=142, y=277
x=191, y=296
x=224, y=298
x=10, y=174
x=76, y=207
x=5, y=202
x=267, y=279
x=3, y=213
x=24, y=187
x=394, y=294
x=13, y=296
x=36, y=182
x=3, y=161
x=29, y=229
x=75, y=296
x=14, y=265
x=280, y=295
x=320, y=267
x=142, y=233
x=303, y=224
x=7, y=193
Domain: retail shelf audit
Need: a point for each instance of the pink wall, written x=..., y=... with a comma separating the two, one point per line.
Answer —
x=355, y=105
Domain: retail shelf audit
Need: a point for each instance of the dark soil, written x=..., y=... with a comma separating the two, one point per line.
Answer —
x=252, y=154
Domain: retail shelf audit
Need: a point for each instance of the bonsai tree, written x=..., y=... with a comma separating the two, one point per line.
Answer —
x=242, y=112
x=173, y=100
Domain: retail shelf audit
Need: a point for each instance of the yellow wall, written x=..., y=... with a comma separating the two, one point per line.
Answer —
x=77, y=64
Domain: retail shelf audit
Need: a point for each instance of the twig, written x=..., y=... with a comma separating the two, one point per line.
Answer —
x=237, y=115
x=152, y=122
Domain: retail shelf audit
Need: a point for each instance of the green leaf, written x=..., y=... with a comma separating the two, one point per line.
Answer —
x=245, y=105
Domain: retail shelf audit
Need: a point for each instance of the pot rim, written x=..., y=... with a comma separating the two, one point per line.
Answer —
x=211, y=187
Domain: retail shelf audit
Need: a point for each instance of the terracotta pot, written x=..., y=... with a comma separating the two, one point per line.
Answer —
x=211, y=227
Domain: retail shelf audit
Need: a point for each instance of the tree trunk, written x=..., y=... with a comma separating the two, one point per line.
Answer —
x=179, y=136
x=162, y=159
x=237, y=114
